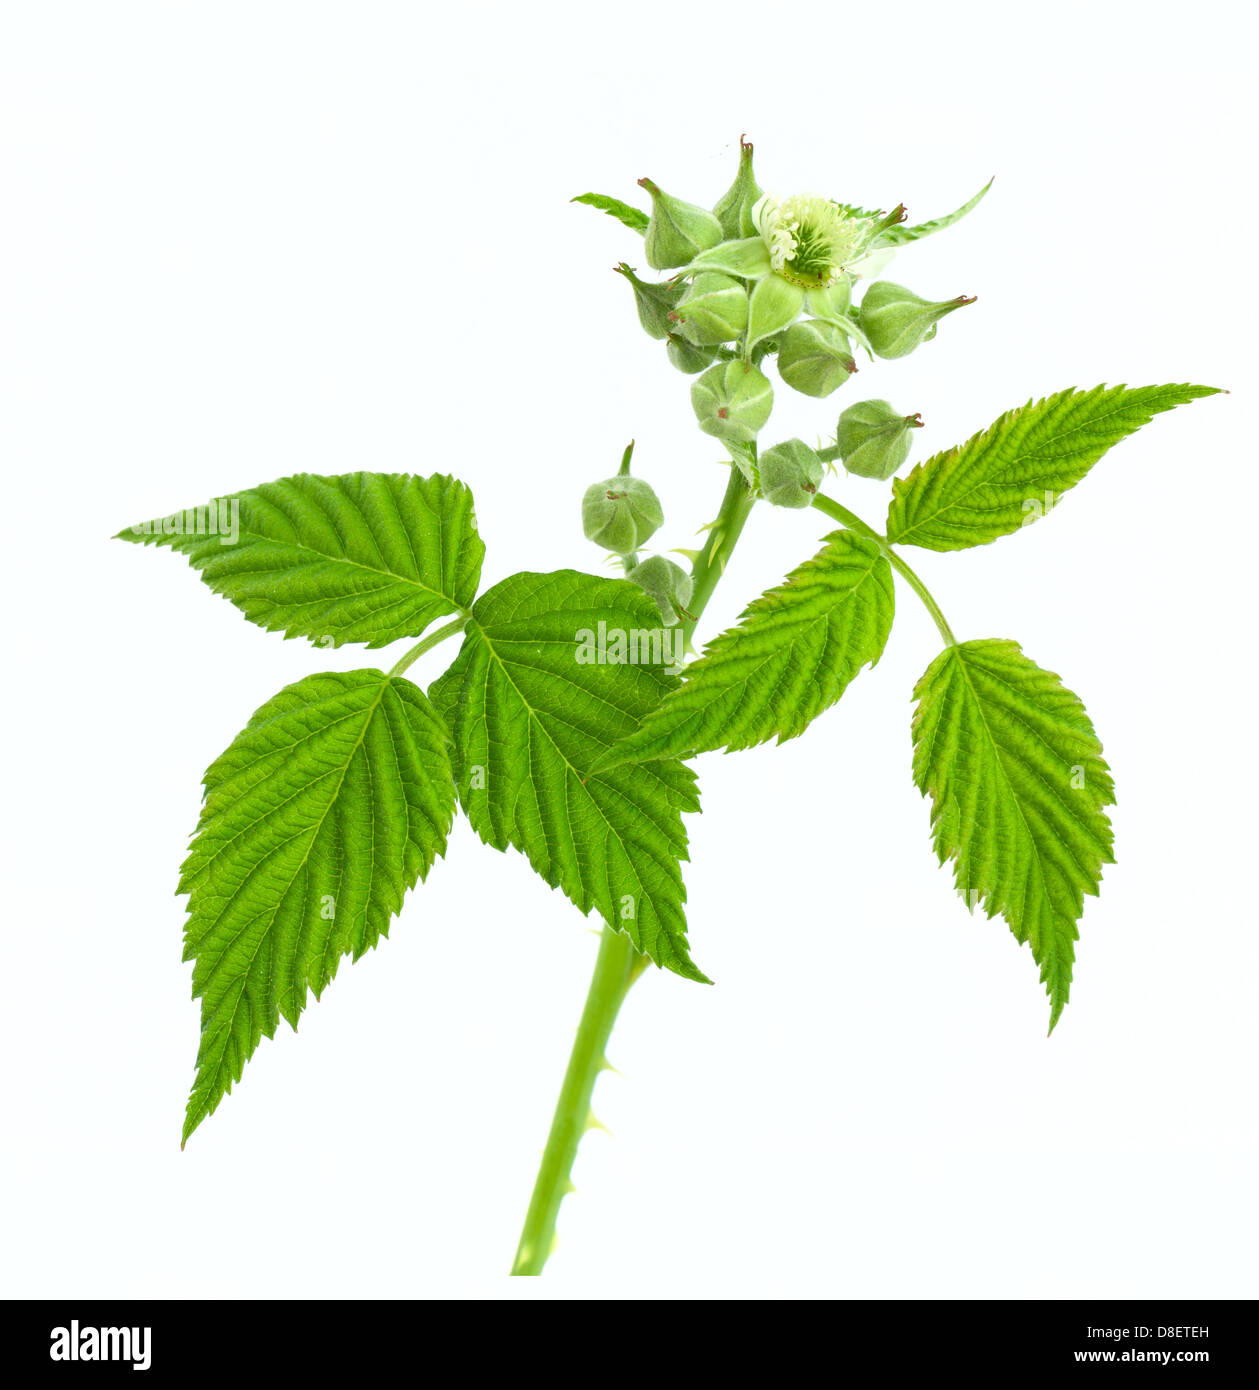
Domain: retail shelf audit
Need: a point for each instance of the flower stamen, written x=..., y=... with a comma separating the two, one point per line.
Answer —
x=810, y=239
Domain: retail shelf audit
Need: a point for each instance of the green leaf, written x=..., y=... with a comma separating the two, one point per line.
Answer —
x=900, y=236
x=634, y=218
x=793, y=654
x=865, y=214
x=530, y=715
x=359, y=557
x=1011, y=473
x=1017, y=784
x=329, y=805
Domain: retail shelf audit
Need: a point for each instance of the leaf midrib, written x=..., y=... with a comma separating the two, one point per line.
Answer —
x=265, y=934
x=259, y=537
x=924, y=522
x=535, y=718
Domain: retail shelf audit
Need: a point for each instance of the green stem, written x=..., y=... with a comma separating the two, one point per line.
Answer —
x=710, y=563
x=838, y=512
x=618, y=964
x=617, y=967
x=455, y=625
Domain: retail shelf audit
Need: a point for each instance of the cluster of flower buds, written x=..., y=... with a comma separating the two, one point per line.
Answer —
x=761, y=276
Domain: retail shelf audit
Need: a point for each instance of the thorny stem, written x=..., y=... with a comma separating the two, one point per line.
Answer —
x=617, y=967
x=456, y=625
x=710, y=563
x=838, y=512
x=618, y=964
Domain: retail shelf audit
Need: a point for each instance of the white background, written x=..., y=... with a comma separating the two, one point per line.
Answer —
x=241, y=240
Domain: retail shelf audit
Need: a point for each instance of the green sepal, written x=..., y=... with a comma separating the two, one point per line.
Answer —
x=901, y=236
x=772, y=305
x=747, y=259
x=655, y=302
x=633, y=218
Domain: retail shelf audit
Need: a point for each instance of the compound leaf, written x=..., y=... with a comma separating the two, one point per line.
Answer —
x=553, y=669
x=792, y=655
x=356, y=557
x=325, y=809
x=1011, y=473
x=1018, y=785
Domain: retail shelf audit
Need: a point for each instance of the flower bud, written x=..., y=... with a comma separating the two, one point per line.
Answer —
x=714, y=311
x=677, y=231
x=813, y=357
x=734, y=210
x=620, y=513
x=896, y=320
x=732, y=400
x=654, y=302
x=667, y=583
x=686, y=357
x=790, y=474
x=873, y=440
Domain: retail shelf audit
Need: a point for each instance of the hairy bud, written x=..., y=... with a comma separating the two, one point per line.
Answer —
x=667, y=583
x=896, y=320
x=677, y=231
x=790, y=474
x=732, y=401
x=813, y=357
x=620, y=513
x=873, y=440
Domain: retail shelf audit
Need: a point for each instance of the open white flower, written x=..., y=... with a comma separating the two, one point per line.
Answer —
x=810, y=240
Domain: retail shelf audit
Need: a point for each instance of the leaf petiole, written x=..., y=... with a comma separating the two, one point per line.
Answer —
x=838, y=512
x=428, y=643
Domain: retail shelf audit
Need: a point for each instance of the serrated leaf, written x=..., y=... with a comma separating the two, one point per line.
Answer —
x=529, y=719
x=1014, y=471
x=792, y=655
x=355, y=557
x=1017, y=784
x=634, y=218
x=852, y=210
x=332, y=802
x=900, y=236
